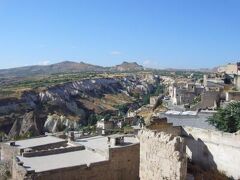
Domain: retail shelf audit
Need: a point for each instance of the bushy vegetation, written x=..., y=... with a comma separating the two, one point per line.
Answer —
x=196, y=100
x=160, y=89
x=227, y=119
x=4, y=170
x=27, y=135
x=122, y=108
x=146, y=99
x=94, y=118
x=14, y=87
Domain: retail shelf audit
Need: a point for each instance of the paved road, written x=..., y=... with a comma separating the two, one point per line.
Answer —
x=198, y=121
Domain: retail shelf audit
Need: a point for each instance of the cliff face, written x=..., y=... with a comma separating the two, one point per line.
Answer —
x=66, y=105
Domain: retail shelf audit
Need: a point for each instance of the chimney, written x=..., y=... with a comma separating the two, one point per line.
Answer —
x=12, y=143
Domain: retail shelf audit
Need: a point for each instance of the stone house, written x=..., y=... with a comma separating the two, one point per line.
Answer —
x=104, y=125
x=49, y=158
x=184, y=94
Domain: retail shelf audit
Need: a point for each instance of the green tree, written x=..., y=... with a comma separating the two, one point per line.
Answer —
x=122, y=108
x=159, y=90
x=107, y=117
x=146, y=99
x=92, y=119
x=227, y=119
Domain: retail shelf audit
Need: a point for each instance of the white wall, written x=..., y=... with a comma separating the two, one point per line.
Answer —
x=214, y=149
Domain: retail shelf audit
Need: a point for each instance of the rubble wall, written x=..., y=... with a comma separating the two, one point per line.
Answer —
x=162, y=156
x=209, y=99
x=214, y=150
x=8, y=153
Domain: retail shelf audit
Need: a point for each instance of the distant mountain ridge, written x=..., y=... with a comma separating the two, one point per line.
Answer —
x=66, y=67
x=78, y=67
x=126, y=66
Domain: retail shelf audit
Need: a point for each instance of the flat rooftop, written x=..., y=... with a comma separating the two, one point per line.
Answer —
x=101, y=142
x=56, y=161
x=39, y=141
x=198, y=121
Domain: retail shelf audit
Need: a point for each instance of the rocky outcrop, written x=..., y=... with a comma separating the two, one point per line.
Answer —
x=30, y=123
x=55, y=123
x=72, y=101
x=128, y=66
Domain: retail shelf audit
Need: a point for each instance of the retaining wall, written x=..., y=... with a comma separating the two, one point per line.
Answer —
x=214, y=150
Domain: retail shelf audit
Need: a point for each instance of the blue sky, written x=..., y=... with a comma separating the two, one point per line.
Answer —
x=155, y=33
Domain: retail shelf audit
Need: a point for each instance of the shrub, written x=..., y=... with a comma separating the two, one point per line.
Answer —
x=227, y=119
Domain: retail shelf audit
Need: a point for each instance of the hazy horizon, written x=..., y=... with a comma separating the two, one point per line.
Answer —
x=160, y=68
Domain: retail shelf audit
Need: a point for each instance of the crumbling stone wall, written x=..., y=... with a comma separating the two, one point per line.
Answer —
x=18, y=172
x=209, y=99
x=8, y=153
x=162, y=156
x=161, y=125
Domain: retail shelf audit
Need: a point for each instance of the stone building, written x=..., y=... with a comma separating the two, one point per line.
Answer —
x=232, y=69
x=12, y=149
x=232, y=96
x=160, y=151
x=185, y=93
x=164, y=150
x=104, y=126
x=209, y=100
x=237, y=81
x=98, y=157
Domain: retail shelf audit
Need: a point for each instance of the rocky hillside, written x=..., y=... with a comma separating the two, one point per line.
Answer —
x=68, y=104
x=127, y=66
x=65, y=67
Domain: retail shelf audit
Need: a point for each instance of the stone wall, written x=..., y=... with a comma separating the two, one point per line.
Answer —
x=209, y=99
x=187, y=97
x=18, y=171
x=233, y=95
x=162, y=156
x=214, y=150
x=51, y=146
x=95, y=171
x=8, y=153
x=124, y=162
x=161, y=124
x=52, y=151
